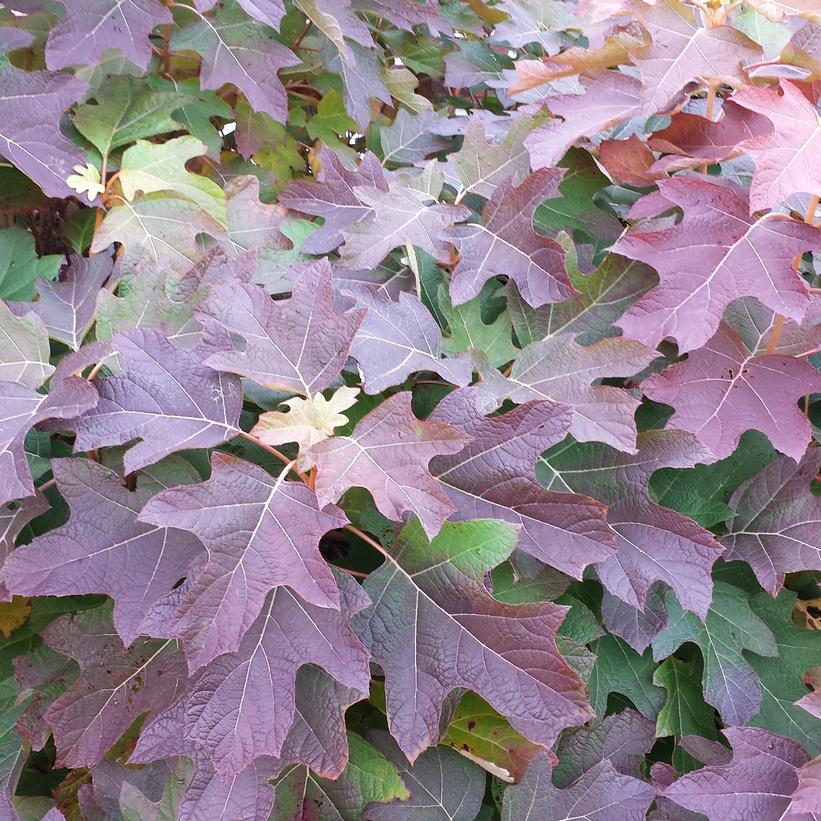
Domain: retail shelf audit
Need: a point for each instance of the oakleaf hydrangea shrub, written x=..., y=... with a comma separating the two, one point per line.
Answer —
x=410, y=410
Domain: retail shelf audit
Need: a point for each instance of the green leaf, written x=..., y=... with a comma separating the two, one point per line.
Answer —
x=331, y=121
x=368, y=776
x=702, y=492
x=467, y=330
x=620, y=669
x=782, y=678
x=575, y=210
x=684, y=712
x=150, y=167
x=401, y=84
x=126, y=110
x=730, y=683
x=20, y=266
x=478, y=730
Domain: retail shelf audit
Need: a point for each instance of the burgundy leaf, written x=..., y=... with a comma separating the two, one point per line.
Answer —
x=493, y=476
x=388, y=454
x=299, y=344
x=165, y=397
x=434, y=628
x=103, y=548
x=723, y=390
x=333, y=197
x=114, y=688
x=601, y=793
x=777, y=524
x=757, y=783
x=243, y=704
x=786, y=160
x=507, y=244
x=88, y=29
x=398, y=338
x=716, y=254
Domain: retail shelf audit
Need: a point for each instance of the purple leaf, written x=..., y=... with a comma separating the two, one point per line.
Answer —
x=103, y=548
x=388, y=454
x=13, y=518
x=723, y=390
x=114, y=688
x=716, y=254
x=560, y=369
x=777, y=524
x=67, y=305
x=31, y=106
x=333, y=197
x=398, y=338
x=25, y=348
x=22, y=408
x=507, y=244
x=601, y=793
x=637, y=627
x=758, y=782
x=622, y=739
x=88, y=29
x=493, y=476
x=443, y=785
x=165, y=397
x=434, y=628
x=260, y=532
x=243, y=704
x=298, y=345
x=241, y=51
x=401, y=216
x=269, y=12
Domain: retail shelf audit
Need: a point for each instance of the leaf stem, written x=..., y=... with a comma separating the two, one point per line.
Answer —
x=812, y=205
x=778, y=326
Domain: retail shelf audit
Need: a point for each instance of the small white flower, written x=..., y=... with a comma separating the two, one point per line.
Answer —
x=87, y=179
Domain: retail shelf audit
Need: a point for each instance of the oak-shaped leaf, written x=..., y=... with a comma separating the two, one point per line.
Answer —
x=388, y=454
x=638, y=627
x=260, y=532
x=480, y=166
x=603, y=296
x=13, y=518
x=368, y=777
x=560, y=369
x=317, y=739
x=505, y=243
x=654, y=543
x=493, y=476
x=608, y=98
x=298, y=344
x=68, y=304
x=784, y=677
x=164, y=225
x=758, y=782
x=242, y=706
x=682, y=50
x=600, y=793
x=723, y=390
x=786, y=160
x=715, y=254
x=401, y=216
x=236, y=49
x=269, y=12
x=165, y=396
x=332, y=196
x=443, y=785
x=103, y=548
x=22, y=408
x=116, y=685
x=87, y=30
x=776, y=528
x=24, y=347
x=730, y=683
x=623, y=739
x=397, y=338
x=434, y=628
x=31, y=106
